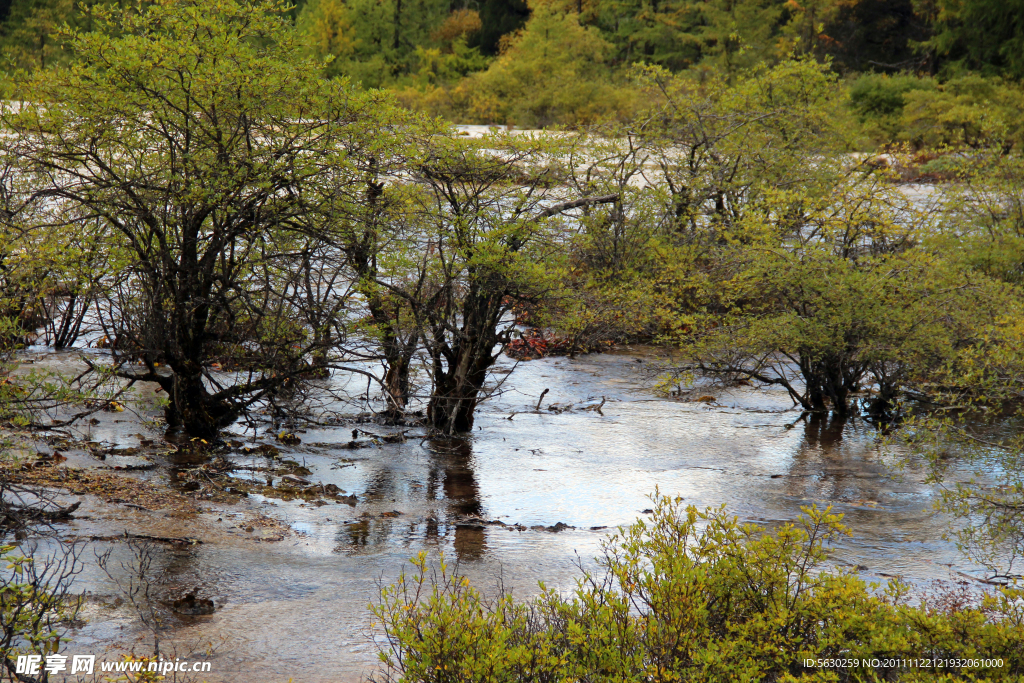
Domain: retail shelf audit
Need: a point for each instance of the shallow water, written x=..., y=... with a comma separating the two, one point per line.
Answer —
x=297, y=608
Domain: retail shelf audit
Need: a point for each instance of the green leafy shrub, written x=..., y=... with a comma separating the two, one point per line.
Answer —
x=36, y=604
x=878, y=101
x=875, y=95
x=971, y=111
x=553, y=71
x=694, y=596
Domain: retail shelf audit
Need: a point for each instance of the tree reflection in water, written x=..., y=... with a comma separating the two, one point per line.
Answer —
x=823, y=432
x=452, y=479
x=450, y=490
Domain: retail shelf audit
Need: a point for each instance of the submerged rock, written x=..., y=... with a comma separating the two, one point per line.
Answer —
x=289, y=439
x=193, y=606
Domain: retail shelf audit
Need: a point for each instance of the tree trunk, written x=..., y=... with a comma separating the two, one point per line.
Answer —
x=457, y=387
x=398, y=23
x=828, y=381
x=453, y=403
x=193, y=410
x=397, y=358
x=362, y=250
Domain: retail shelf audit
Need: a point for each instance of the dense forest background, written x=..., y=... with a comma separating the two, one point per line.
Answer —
x=924, y=72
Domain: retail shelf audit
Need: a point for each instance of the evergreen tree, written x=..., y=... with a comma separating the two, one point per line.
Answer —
x=982, y=35
x=879, y=35
x=28, y=32
x=499, y=18
x=372, y=42
x=681, y=33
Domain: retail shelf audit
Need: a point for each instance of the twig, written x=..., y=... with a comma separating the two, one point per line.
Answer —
x=539, y=400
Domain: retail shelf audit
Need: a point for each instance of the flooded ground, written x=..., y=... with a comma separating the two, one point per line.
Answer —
x=291, y=579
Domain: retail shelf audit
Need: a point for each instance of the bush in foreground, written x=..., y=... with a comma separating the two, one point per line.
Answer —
x=696, y=596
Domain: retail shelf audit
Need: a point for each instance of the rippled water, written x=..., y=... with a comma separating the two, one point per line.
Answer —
x=297, y=608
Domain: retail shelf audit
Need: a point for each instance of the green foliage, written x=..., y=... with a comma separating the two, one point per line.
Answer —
x=442, y=629
x=429, y=50
x=968, y=111
x=764, y=264
x=196, y=198
x=849, y=302
x=594, y=310
x=678, y=34
x=878, y=101
x=986, y=511
x=33, y=273
x=706, y=166
x=327, y=27
x=984, y=35
x=613, y=286
x=469, y=242
x=719, y=147
x=981, y=229
x=552, y=71
x=691, y=596
x=438, y=66
x=982, y=214
x=373, y=43
x=29, y=40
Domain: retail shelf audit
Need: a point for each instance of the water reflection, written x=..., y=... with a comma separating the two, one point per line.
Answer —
x=837, y=463
x=823, y=431
x=451, y=467
x=451, y=478
x=439, y=480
